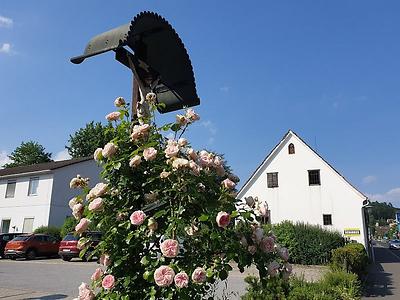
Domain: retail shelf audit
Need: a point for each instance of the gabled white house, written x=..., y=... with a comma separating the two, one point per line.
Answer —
x=299, y=185
x=38, y=195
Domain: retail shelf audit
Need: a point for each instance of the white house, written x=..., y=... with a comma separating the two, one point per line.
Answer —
x=299, y=185
x=38, y=195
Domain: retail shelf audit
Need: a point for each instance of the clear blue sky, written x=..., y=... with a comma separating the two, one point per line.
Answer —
x=329, y=70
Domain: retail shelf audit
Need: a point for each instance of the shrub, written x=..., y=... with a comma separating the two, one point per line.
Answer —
x=275, y=288
x=351, y=258
x=307, y=244
x=68, y=226
x=51, y=230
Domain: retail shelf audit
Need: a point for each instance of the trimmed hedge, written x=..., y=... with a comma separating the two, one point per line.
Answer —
x=50, y=230
x=350, y=258
x=307, y=244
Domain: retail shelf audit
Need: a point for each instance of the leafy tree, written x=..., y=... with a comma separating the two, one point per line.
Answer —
x=86, y=140
x=28, y=153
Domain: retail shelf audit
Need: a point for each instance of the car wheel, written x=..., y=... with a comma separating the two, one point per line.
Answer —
x=31, y=254
x=85, y=258
x=66, y=258
x=13, y=258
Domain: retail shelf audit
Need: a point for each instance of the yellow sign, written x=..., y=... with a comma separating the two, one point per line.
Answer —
x=352, y=231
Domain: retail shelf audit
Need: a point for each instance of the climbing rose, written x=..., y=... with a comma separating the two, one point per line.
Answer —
x=135, y=161
x=181, y=280
x=108, y=282
x=223, y=219
x=98, y=154
x=171, y=151
x=82, y=225
x=96, y=205
x=77, y=211
x=179, y=163
x=273, y=268
x=164, y=276
x=284, y=253
x=191, y=115
x=149, y=154
x=114, y=116
x=97, y=274
x=170, y=248
x=267, y=244
x=105, y=260
x=181, y=120
x=85, y=293
x=73, y=202
x=109, y=150
x=182, y=142
x=99, y=190
x=192, y=154
x=199, y=275
x=119, y=102
x=229, y=184
x=137, y=217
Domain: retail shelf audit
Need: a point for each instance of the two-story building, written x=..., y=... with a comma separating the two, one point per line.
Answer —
x=297, y=184
x=38, y=195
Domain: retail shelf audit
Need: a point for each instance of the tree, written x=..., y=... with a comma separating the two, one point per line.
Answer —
x=86, y=140
x=28, y=153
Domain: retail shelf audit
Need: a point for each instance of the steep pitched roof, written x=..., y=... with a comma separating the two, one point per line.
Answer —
x=290, y=132
x=48, y=166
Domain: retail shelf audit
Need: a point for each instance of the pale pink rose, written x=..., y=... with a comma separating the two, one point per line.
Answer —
x=97, y=274
x=108, y=282
x=78, y=182
x=113, y=116
x=135, y=161
x=258, y=234
x=151, y=97
x=223, y=219
x=182, y=142
x=119, y=102
x=192, y=154
x=85, y=293
x=181, y=120
x=105, y=260
x=99, y=190
x=149, y=154
x=252, y=249
x=263, y=209
x=206, y=159
x=228, y=184
x=73, y=202
x=82, y=226
x=181, y=280
x=218, y=162
x=140, y=131
x=170, y=248
x=273, y=268
x=199, y=275
x=137, y=217
x=171, y=151
x=195, y=168
x=267, y=244
x=109, y=150
x=179, y=163
x=164, y=276
x=191, y=115
x=98, y=154
x=96, y=205
x=164, y=174
x=283, y=253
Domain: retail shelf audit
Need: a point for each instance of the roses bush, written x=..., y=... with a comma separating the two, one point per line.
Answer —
x=172, y=226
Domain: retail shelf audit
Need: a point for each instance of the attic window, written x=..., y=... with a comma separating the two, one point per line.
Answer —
x=291, y=148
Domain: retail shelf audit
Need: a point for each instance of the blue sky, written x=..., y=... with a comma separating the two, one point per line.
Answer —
x=329, y=70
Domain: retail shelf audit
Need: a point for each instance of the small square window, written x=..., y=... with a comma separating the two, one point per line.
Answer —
x=10, y=191
x=272, y=180
x=327, y=219
x=314, y=177
x=33, y=186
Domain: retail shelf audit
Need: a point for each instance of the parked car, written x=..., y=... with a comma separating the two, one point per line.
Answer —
x=394, y=244
x=69, y=245
x=32, y=245
x=4, y=239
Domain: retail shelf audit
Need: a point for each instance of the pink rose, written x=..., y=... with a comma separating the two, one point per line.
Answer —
x=181, y=120
x=114, y=116
x=140, y=131
x=170, y=248
x=97, y=274
x=82, y=226
x=149, y=154
x=206, y=159
x=199, y=275
x=258, y=234
x=73, y=202
x=192, y=154
x=273, y=268
x=85, y=293
x=284, y=253
x=164, y=276
x=171, y=151
x=218, y=162
x=179, y=163
x=191, y=115
x=119, y=102
x=98, y=154
x=96, y=205
x=77, y=211
x=195, y=168
x=181, y=280
x=182, y=142
x=108, y=282
x=267, y=244
x=109, y=150
x=105, y=260
x=135, y=161
x=137, y=217
x=229, y=184
x=223, y=219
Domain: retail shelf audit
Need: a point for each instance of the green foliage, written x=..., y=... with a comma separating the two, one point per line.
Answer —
x=351, y=258
x=86, y=140
x=307, y=244
x=68, y=226
x=28, y=153
x=275, y=288
x=51, y=230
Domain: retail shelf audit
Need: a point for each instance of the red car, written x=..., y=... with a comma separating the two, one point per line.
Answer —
x=30, y=246
x=68, y=246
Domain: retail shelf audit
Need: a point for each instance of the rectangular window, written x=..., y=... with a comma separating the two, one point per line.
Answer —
x=5, y=226
x=28, y=225
x=33, y=186
x=10, y=191
x=327, y=219
x=313, y=177
x=272, y=180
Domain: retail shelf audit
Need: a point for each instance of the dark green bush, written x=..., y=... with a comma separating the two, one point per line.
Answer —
x=351, y=258
x=51, y=230
x=307, y=244
x=271, y=289
x=68, y=226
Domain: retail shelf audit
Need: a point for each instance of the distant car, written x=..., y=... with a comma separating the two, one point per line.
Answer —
x=4, y=239
x=69, y=245
x=394, y=244
x=32, y=245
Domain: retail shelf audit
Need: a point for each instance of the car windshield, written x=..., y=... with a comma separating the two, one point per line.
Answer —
x=396, y=241
x=21, y=238
x=70, y=237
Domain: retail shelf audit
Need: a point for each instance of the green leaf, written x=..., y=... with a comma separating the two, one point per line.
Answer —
x=203, y=218
x=160, y=213
x=223, y=275
x=234, y=214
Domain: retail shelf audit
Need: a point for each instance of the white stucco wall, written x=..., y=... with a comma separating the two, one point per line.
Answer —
x=23, y=206
x=296, y=200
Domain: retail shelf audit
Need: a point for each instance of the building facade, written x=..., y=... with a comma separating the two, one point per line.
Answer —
x=38, y=195
x=297, y=184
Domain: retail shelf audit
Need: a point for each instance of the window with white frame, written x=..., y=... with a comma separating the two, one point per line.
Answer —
x=10, y=190
x=33, y=186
